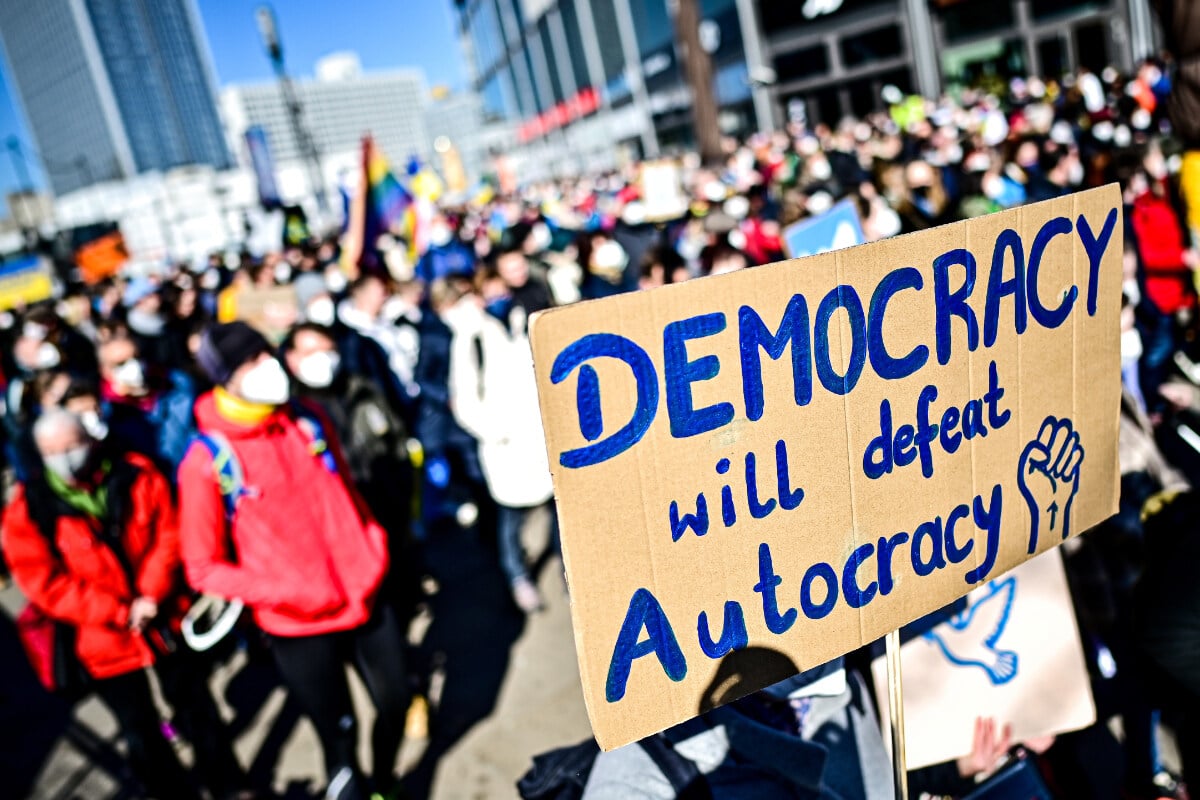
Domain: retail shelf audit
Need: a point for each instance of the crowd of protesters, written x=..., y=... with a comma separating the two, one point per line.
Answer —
x=168, y=458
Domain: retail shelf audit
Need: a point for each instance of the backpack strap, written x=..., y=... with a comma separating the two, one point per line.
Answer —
x=226, y=469
x=319, y=444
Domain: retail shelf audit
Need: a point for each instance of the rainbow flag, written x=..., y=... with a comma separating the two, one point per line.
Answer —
x=379, y=205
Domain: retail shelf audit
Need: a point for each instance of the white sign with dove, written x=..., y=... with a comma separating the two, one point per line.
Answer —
x=1012, y=654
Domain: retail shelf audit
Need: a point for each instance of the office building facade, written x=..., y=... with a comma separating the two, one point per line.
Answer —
x=577, y=77
x=113, y=88
x=340, y=106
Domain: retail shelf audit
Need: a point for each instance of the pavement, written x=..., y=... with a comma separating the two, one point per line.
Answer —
x=503, y=688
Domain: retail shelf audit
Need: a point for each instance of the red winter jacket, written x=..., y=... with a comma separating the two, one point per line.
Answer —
x=304, y=553
x=1160, y=244
x=88, y=588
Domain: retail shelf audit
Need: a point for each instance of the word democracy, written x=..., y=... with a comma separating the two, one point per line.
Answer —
x=955, y=276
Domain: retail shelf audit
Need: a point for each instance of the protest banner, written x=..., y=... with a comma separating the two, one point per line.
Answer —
x=661, y=192
x=1014, y=651
x=836, y=228
x=99, y=251
x=25, y=280
x=802, y=457
x=272, y=311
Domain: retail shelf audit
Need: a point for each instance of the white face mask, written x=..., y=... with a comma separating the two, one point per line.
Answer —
x=32, y=330
x=609, y=255
x=1131, y=345
x=319, y=369
x=439, y=235
x=211, y=279
x=145, y=322
x=266, y=383
x=321, y=311
x=820, y=169
x=68, y=465
x=1075, y=173
x=541, y=237
x=96, y=427
x=283, y=272
x=131, y=374
x=47, y=356
x=335, y=280
x=886, y=221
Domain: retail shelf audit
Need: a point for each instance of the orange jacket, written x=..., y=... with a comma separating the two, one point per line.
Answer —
x=88, y=587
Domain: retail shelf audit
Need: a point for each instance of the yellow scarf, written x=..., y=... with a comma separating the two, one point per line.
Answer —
x=239, y=411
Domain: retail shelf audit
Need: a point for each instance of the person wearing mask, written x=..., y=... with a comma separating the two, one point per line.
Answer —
x=147, y=407
x=603, y=261
x=33, y=356
x=493, y=395
x=364, y=312
x=91, y=539
x=147, y=322
x=374, y=440
x=447, y=255
x=293, y=539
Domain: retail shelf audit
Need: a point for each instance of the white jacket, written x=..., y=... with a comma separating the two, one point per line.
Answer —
x=496, y=402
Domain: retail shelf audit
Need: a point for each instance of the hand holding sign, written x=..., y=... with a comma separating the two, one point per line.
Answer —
x=1048, y=474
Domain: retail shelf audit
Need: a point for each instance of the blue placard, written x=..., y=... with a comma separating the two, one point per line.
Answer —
x=836, y=228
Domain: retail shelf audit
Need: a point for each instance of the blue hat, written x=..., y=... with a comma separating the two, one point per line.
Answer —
x=138, y=290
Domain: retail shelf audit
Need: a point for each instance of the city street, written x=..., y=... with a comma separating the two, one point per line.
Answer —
x=507, y=690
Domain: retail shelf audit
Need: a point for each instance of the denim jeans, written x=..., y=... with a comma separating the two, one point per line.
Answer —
x=510, y=522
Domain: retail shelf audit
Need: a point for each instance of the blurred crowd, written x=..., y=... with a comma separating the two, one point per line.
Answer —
x=179, y=478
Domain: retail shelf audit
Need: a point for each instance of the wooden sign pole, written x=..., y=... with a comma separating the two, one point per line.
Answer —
x=896, y=713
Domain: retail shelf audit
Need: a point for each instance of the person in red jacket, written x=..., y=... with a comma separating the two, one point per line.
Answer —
x=1165, y=254
x=1168, y=263
x=300, y=549
x=91, y=539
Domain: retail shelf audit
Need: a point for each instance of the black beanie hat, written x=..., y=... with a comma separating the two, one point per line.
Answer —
x=224, y=348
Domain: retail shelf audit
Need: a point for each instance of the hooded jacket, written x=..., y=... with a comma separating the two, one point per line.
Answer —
x=493, y=394
x=302, y=550
x=88, y=587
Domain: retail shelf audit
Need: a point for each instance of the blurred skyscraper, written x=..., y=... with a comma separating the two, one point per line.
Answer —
x=113, y=88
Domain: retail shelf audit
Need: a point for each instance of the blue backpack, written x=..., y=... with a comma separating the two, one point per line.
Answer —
x=231, y=481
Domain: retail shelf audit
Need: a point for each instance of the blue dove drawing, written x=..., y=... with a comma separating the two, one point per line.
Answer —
x=969, y=638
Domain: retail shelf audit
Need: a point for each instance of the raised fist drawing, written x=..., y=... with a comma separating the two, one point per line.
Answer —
x=1048, y=474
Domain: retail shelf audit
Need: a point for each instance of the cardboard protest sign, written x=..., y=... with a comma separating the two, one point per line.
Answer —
x=24, y=281
x=661, y=190
x=1012, y=654
x=801, y=457
x=836, y=228
x=272, y=311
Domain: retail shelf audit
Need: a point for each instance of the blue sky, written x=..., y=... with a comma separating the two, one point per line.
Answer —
x=385, y=33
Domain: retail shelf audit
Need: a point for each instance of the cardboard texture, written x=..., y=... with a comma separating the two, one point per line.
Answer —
x=272, y=311
x=745, y=464
x=1014, y=655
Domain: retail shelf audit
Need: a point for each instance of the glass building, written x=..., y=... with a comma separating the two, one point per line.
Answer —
x=576, y=77
x=113, y=88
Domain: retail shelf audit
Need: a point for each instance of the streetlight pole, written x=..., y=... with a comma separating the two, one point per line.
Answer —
x=268, y=28
x=18, y=161
x=21, y=169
